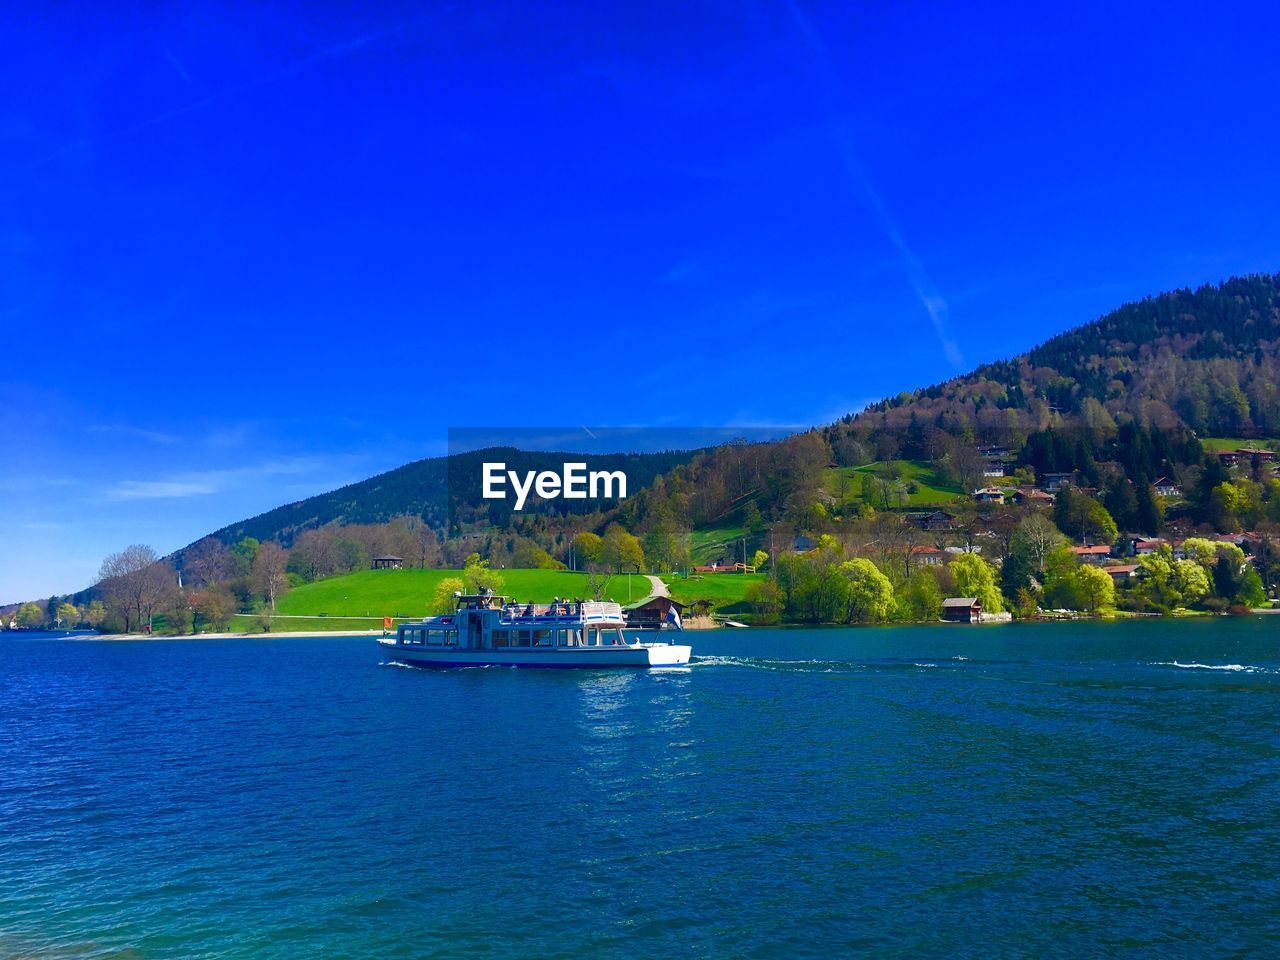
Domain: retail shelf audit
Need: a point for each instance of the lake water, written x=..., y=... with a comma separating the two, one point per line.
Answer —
x=1066, y=790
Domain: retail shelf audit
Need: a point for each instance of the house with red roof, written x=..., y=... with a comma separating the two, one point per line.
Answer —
x=1095, y=555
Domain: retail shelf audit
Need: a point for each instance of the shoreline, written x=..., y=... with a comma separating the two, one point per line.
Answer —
x=1120, y=617
x=226, y=635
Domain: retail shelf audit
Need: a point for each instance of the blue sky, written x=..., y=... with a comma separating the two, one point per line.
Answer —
x=251, y=252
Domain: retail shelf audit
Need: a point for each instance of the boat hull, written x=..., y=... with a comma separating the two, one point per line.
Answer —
x=581, y=658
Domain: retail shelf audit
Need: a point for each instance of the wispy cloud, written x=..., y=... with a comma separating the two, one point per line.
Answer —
x=921, y=283
x=686, y=272
x=835, y=409
x=43, y=526
x=206, y=482
x=140, y=433
x=157, y=490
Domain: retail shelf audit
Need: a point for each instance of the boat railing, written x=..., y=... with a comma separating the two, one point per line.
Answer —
x=586, y=611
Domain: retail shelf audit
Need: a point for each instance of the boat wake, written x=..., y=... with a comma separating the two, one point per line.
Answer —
x=1228, y=667
x=816, y=665
x=761, y=663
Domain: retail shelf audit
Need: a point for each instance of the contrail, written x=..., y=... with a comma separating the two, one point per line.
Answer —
x=337, y=50
x=925, y=289
x=177, y=64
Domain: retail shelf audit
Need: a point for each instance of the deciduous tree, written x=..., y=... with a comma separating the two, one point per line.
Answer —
x=588, y=547
x=30, y=616
x=270, y=565
x=1034, y=539
x=135, y=582
x=620, y=551
x=442, y=600
x=216, y=606
x=1170, y=583
x=1095, y=588
x=870, y=594
x=974, y=577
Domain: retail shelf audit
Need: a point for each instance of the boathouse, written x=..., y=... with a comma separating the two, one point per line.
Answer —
x=962, y=609
x=651, y=614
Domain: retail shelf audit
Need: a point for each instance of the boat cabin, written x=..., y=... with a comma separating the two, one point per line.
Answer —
x=490, y=622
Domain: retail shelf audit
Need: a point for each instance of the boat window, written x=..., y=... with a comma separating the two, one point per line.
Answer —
x=501, y=638
x=543, y=638
x=522, y=638
x=411, y=636
x=435, y=637
x=451, y=638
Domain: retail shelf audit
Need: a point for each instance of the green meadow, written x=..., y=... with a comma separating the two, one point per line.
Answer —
x=1214, y=444
x=925, y=486
x=721, y=538
x=359, y=601
x=726, y=591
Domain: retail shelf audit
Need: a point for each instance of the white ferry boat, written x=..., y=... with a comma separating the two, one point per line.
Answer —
x=490, y=630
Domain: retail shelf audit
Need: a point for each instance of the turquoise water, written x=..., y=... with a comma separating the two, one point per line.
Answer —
x=1057, y=790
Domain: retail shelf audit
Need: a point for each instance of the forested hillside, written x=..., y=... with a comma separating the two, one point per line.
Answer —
x=1124, y=400
x=1206, y=359
x=1157, y=420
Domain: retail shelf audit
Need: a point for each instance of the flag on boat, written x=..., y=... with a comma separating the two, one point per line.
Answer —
x=673, y=618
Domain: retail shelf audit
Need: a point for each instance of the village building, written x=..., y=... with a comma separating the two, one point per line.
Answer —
x=1095, y=555
x=388, y=563
x=989, y=495
x=961, y=609
x=1122, y=573
x=1033, y=497
x=1245, y=456
x=927, y=556
x=932, y=520
x=1053, y=482
x=653, y=613
x=1164, y=487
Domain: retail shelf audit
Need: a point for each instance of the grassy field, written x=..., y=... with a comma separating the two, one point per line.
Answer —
x=1214, y=444
x=359, y=601
x=721, y=539
x=725, y=590
x=931, y=488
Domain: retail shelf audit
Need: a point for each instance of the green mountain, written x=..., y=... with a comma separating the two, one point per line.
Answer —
x=441, y=491
x=1134, y=387
x=1207, y=359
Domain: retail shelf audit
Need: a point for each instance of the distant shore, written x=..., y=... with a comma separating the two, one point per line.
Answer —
x=112, y=637
x=698, y=626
